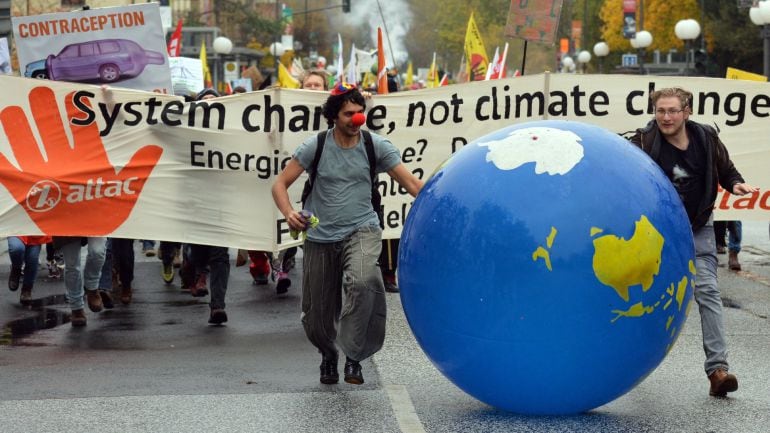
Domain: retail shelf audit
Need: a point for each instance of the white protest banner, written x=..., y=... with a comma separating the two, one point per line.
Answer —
x=124, y=45
x=149, y=166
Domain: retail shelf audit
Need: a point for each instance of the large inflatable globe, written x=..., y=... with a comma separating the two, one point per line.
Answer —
x=547, y=268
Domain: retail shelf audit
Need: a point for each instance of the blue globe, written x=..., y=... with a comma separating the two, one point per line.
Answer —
x=547, y=268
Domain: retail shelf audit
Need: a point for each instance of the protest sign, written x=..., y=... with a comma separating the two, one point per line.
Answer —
x=122, y=45
x=149, y=166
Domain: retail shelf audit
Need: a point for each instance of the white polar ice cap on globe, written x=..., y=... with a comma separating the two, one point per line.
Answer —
x=554, y=151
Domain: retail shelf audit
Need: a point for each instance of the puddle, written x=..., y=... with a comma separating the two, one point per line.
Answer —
x=14, y=331
x=44, y=318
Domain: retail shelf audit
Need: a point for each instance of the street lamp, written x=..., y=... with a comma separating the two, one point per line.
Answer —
x=641, y=41
x=760, y=15
x=687, y=30
x=277, y=49
x=221, y=45
x=583, y=58
x=567, y=63
x=601, y=49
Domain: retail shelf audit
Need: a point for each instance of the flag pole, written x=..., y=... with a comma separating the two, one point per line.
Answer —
x=387, y=36
x=524, y=57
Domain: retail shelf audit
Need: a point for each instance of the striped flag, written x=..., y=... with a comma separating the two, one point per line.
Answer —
x=175, y=43
x=492, y=71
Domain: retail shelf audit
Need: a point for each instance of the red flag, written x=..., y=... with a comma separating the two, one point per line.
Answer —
x=444, y=81
x=382, y=75
x=175, y=43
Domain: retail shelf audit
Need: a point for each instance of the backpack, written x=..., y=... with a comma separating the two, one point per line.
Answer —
x=369, y=145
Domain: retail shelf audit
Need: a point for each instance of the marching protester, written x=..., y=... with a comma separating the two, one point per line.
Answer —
x=211, y=260
x=76, y=280
x=734, y=232
x=696, y=161
x=342, y=287
x=24, y=252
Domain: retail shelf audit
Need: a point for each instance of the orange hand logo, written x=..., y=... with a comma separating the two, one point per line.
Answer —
x=73, y=189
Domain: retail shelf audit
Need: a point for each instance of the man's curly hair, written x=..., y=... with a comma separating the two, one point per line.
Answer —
x=334, y=103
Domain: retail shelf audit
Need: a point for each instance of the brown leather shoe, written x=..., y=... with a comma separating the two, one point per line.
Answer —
x=199, y=288
x=732, y=261
x=94, y=300
x=125, y=295
x=78, y=318
x=722, y=382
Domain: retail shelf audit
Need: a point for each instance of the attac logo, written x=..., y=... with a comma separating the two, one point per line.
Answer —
x=46, y=194
x=43, y=196
x=73, y=188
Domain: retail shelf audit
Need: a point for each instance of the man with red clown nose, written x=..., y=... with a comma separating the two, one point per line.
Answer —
x=343, y=295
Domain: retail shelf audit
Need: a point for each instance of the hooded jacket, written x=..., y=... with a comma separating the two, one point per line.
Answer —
x=719, y=168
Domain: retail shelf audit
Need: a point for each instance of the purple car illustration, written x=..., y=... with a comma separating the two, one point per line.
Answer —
x=103, y=61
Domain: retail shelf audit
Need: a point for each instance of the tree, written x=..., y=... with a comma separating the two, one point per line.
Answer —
x=660, y=18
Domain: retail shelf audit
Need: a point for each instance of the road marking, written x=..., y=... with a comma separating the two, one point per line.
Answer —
x=408, y=421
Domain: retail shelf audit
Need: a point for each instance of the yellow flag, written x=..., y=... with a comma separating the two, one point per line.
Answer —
x=205, y=66
x=409, y=73
x=369, y=81
x=285, y=79
x=433, y=80
x=475, y=54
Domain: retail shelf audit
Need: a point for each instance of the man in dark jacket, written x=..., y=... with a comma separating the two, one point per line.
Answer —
x=696, y=160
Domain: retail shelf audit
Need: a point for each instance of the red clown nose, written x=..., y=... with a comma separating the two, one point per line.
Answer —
x=358, y=119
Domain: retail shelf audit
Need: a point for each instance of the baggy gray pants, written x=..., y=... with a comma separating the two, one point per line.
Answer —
x=343, y=293
x=709, y=299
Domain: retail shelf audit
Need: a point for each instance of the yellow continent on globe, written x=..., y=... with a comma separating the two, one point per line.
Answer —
x=621, y=263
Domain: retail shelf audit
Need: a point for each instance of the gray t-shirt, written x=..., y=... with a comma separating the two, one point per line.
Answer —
x=342, y=193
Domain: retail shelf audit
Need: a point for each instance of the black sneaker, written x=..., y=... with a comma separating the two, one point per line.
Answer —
x=283, y=284
x=107, y=301
x=391, y=287
x=353, y=372
x=329, y=374
x=14, y=278
x=217, y=316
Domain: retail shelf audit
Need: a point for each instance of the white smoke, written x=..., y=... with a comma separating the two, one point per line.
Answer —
x=398, y=20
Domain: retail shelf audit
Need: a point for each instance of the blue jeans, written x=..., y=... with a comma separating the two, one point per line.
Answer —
x=734, y=231
x=89, y=280
x=709, y=299
x=342, y=290
x=24, y=256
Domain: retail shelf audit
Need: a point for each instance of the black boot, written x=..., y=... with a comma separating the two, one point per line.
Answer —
x=353, y=372
x=14, y=278
x=25, y=297
x=329, y=374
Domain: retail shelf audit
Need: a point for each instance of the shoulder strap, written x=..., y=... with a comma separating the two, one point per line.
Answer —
x=369, y=144
x=318, y=150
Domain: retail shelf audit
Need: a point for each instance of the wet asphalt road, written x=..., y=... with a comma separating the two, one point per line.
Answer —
x=157, y=366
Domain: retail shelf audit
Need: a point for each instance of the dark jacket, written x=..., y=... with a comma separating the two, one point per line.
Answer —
x=721, y=170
